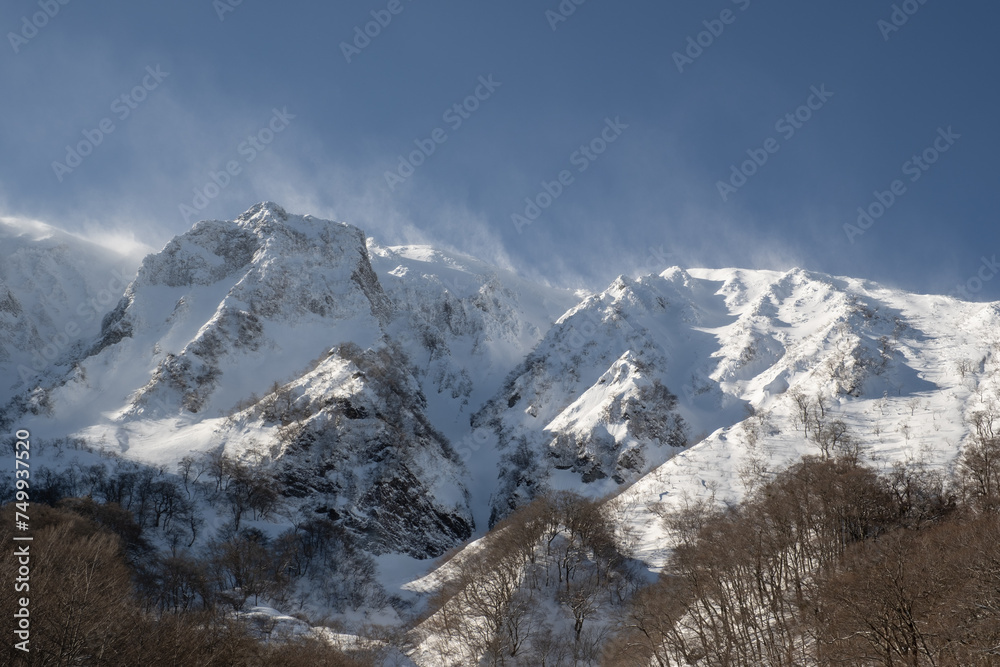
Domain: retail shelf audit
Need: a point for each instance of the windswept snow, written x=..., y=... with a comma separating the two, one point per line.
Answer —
x=374, y=376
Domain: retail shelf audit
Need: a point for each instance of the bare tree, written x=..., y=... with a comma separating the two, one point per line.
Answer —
x=979, y=464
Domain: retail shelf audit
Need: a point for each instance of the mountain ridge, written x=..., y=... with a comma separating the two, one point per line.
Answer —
x=415, y=397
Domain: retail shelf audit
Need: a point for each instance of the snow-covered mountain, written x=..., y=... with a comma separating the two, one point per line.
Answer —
x=414, y=397
x=626, y=379
x=54, y=290
x=272, y=335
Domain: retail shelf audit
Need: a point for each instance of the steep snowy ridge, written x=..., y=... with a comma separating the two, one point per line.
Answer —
x=54, y=290
x=414, y=397
x=233, y=311
x=279, y=274
x=904, y=373
x=651, y=327
x=350, y=441
x=266, y=309
x=726, y=343
x=897, y=377
x=224, y=311
x=464, y=323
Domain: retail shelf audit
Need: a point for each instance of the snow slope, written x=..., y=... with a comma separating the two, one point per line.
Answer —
x=904, y=372
x=233, y=318
x=417, y=396
x=54, y=290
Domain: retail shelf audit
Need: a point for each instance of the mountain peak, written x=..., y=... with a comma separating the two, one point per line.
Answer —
x=262, y=211
x=351, y=362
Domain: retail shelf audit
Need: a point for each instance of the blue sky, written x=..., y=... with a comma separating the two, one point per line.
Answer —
x=161, y=96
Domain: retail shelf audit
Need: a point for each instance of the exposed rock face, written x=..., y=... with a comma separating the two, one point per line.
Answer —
x=232, y=310
x=622, y=382
x=350, y=439
x=415, y=396
x=273, y=271
x=594, y=396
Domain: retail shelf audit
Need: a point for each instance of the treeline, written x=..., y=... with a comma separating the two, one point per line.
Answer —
x=543, y=588
x=832, y=563
x=180, y=566
x=160, y=500
x=829, y=562
x=86, y=609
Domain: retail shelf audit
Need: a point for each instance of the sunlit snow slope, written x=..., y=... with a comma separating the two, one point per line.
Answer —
x=407, y=390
